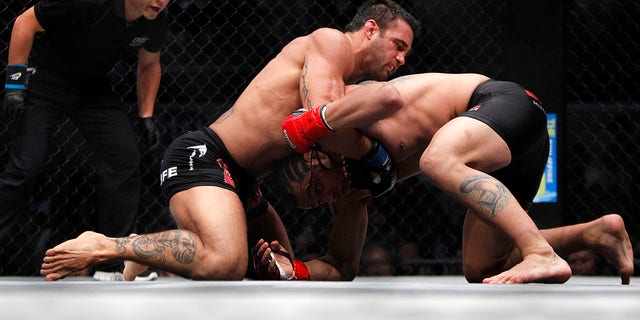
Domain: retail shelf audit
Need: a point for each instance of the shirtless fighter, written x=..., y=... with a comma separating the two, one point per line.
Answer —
x=210, y=176
x=480, y=140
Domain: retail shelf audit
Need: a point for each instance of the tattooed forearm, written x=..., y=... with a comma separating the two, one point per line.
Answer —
x=181, y=243
x=304, y=91
x=487, y=192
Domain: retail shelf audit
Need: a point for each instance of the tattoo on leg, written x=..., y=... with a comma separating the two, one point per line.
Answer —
x=121, y=244
x=184, y=250
x=489, y=193
x=181, y=243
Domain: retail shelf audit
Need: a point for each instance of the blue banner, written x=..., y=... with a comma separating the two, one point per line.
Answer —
x=548, y=190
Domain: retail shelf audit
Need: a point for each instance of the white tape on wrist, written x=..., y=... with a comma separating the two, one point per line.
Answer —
x=283, y=275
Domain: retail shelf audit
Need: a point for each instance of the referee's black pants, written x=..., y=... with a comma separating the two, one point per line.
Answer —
x=104, y=123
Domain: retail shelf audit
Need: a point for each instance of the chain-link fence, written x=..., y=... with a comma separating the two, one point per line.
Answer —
x=215, y=47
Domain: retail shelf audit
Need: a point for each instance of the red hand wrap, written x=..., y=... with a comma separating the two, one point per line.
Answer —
x=300, y=270
x=302, y=131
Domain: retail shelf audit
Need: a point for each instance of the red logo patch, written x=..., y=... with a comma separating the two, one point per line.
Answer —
x=227, y=176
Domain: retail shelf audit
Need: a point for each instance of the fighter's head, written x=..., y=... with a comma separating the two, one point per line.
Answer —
x=311, y=179
x=388, y=31
x=385, y=13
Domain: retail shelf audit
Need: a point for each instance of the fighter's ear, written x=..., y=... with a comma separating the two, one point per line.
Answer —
x=371, y=28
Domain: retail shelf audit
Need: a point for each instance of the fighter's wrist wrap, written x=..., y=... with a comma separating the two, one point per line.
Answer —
x=300, y=270
x=281, y=272
x=302, y=130
x=17, y=77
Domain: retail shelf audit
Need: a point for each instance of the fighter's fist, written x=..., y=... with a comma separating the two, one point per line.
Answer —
x=375, y=171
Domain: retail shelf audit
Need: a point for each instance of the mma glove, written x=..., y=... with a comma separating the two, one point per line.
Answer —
x=16, y=90
x=303, y=128
x=375, y=171
x=149, y=132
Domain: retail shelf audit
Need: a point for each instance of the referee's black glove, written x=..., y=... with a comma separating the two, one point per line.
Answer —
x=14, y=103
x=149, y=132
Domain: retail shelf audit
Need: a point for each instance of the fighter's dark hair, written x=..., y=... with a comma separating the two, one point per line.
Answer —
x=286, y=171
x=384, y=12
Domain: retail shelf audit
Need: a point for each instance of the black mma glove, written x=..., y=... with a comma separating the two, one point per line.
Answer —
x=375, y=171
x=16, y=90
x=149, y=131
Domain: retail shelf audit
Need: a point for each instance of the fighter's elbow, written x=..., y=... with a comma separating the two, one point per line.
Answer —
x=340, y=270
x=390, y=98
x=348, y=271
x=348, y=276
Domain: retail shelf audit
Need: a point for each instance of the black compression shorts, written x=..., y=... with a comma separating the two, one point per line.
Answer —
x=199, y=158
x=518, y=117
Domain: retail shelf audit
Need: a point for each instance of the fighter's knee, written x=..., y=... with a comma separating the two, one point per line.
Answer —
x=473, y=275
x=220, y=266
x=433, y=163
x=473, y=278
x=475, y=272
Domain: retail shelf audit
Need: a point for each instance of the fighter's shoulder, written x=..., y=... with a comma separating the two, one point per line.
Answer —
x=326, y=36
x=320, y=40
x=438, y=77
x=322, y=33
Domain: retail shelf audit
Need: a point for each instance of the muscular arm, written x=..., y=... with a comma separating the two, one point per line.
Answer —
x=22, y=35
x=268, y=226
x=342, y=260
x=357, y=110
x=329, y=63
x=148, y=82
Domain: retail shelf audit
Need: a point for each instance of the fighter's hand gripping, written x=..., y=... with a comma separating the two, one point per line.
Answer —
x=375, y=171
x=302, y=128
x=272, y=262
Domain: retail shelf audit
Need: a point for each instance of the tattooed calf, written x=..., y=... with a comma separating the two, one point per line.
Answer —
x=152, y=247
x=489, y=193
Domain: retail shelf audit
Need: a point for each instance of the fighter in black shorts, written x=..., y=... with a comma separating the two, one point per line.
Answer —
x=518, y=117
x=485, y=143
x=199, y=158
x=213, y=229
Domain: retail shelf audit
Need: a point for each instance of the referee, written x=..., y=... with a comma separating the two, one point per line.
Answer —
x=60, y=56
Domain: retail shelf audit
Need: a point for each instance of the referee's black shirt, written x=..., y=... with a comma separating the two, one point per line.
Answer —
x=83, y=39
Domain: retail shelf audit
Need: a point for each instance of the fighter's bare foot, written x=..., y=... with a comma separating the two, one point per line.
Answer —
x=73, y=255
x=609, y=237
x=548, y=268
x=132, y=269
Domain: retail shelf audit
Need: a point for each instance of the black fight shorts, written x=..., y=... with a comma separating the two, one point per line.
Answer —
x=199, y=158
x=519, y=118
